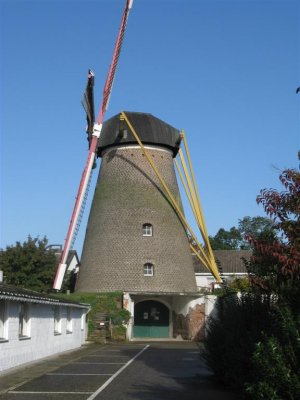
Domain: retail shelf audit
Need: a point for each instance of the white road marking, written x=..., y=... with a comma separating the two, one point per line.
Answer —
x=17, y=385
x=101, y=388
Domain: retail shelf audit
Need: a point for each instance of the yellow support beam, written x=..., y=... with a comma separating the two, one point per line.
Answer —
x=198, y=255
x=192, y=170
x=204, y=259
x=196, y=204
x=184, y=185
x=197, y=192
x=187, y=191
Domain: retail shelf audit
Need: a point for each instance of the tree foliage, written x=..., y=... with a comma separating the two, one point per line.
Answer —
x=29, y=264
x=231, y=337
x=271, y=339
x=275, y=265
x=239, y=285
x=226, y=240
x=255, y=226
x=275, y=362
x=236, y=237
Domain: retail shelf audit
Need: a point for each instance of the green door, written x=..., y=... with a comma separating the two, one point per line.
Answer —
x=151, y=320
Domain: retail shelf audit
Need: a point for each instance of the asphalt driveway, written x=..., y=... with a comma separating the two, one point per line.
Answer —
x=137, y=371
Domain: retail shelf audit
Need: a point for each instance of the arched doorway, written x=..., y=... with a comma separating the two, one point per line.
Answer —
x=151, y=319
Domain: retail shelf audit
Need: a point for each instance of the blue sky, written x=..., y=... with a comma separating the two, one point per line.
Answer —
x=225, y=71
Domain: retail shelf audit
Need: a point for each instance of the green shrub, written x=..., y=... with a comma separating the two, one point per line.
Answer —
x=254, y=345
x=118, y=332
x=120, y=317
x=231, y=337
x=240, y=285
x=276, y=360
x=262, y=391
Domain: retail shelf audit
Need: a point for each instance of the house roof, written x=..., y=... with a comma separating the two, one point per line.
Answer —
x=231, y=261
x=71, y=255
x=151, y=130
x=10, y=292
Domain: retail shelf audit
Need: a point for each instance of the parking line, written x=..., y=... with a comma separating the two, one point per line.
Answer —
x=101, y=388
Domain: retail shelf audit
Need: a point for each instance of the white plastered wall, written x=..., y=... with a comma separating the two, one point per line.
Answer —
x=41, y=340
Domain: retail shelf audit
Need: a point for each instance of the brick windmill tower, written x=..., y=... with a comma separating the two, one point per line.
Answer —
x=135, y=241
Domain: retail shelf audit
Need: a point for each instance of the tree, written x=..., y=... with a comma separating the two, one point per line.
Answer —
x=236, y=237
x=275, y=265
x=226, y=240
x=264, y=357
x=257, y=227
x=69, y=281
x=29, y=265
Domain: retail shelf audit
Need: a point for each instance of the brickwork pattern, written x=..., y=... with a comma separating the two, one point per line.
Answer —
x=127, y=196
x=191, y=326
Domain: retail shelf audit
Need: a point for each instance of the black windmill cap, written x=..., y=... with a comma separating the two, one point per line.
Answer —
x=151, y=130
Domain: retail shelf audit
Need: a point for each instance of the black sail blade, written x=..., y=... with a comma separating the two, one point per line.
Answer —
x=88, y=104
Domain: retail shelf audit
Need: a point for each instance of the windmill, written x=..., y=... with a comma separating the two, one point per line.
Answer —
x=134, y=239
x=138, y=240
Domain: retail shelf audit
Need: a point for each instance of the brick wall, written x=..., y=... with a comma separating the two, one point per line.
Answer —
x=128, y=195
x=190, y=325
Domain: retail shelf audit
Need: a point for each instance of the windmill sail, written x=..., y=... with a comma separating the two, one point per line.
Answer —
x=88, y=104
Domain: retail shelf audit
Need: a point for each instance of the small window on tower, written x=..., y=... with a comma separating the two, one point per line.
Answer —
x=147, y=230
x=148, y=269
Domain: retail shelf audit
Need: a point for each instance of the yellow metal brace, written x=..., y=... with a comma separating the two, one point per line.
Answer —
x=187, y=191
x=207, y=260
x=190, y=186
x=194, y=196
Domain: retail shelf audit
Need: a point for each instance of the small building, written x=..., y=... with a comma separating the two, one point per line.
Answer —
x=231, y=266
x=179, y=316
x=35, y=325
